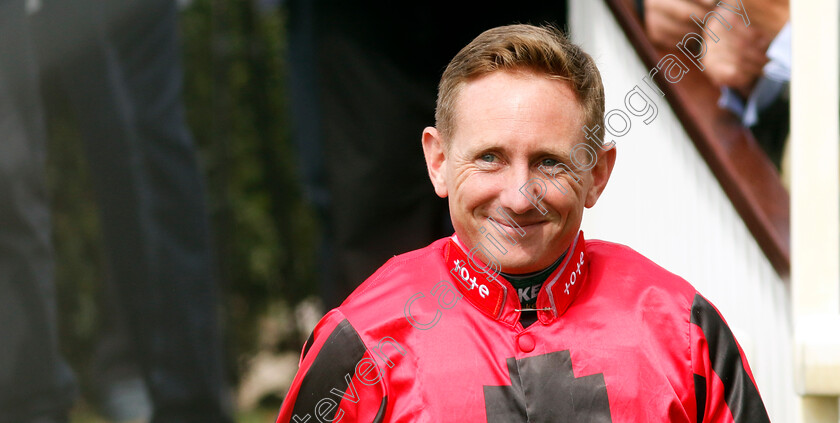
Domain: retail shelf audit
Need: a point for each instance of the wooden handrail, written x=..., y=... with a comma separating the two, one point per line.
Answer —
x=744, y=171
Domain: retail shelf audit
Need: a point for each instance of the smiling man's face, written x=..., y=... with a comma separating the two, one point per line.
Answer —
x=507, y=124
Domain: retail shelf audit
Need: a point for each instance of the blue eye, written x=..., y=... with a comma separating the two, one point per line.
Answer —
x=489, y=158
x=549, y=162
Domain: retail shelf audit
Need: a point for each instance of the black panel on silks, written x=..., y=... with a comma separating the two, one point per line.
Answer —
x=740, y=393
x=338, y=357
x=546, y=389
x=506, y=403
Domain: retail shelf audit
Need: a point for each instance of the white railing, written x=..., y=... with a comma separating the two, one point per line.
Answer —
x=665, y=202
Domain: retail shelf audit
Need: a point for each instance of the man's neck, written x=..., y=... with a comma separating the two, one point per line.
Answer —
x=528, y=285
x=546, y=271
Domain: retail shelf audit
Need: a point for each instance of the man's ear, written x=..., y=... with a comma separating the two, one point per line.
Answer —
x=600, y=175
x=435, y=153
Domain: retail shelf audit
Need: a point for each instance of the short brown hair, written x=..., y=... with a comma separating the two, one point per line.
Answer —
x=541, y=49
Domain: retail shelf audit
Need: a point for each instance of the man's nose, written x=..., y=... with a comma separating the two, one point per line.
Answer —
x=522, y=191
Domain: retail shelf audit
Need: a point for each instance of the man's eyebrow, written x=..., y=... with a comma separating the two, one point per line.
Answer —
x=562, y=155
x=490, y=146
x=483, y=146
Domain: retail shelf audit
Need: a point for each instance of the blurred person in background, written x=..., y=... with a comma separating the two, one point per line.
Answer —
x=750, y=63
x=119, y=63
x=36, y=385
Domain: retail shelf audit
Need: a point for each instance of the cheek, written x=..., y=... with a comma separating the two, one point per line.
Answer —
x=575, y=190
x=469, y=198
x=569, y=202
x=472, y=189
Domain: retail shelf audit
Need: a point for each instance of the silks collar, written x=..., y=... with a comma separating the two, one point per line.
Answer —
x=495, y=296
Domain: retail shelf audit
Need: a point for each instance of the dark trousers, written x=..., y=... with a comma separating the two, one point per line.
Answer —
x=34, y=381
x=120, y=66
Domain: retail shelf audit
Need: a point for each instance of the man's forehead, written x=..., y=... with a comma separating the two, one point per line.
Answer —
x=504, y=104
x=519, y=79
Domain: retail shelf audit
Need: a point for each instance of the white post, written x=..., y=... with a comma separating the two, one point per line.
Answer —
x=815, y=208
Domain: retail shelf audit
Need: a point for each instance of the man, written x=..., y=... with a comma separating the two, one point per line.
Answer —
x=749, y=62
x=451, y=332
